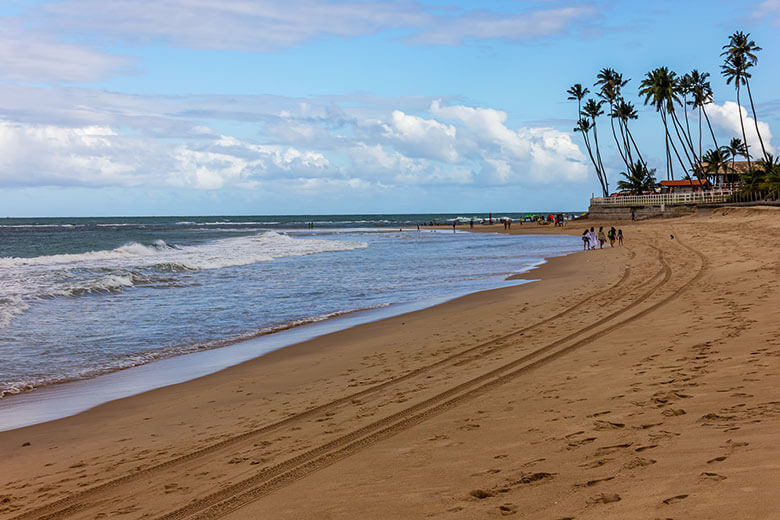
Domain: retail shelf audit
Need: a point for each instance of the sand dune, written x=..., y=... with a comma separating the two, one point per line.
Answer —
x=633, y=382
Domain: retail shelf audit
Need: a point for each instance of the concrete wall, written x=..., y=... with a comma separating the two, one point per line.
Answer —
x=599, y=212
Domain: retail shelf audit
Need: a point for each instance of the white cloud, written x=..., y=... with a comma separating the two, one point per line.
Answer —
x=265, y=25
x=31, y=56
x=232, y=24
x=726, y=117
x=543, y=155
x=62, y=137
x=770, y=9
x=420, y=137
x=483, y=25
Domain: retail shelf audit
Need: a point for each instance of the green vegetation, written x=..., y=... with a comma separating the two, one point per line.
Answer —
x=672, y=96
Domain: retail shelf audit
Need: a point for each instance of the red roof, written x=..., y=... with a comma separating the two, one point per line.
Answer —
x=684, y=182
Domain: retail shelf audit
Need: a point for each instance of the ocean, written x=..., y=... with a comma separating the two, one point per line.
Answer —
x=81, y=297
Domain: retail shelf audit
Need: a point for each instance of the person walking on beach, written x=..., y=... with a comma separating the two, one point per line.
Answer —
x=620, y=237
x=611, y=236
x=602, y=237
x=585, y=240
x=592, y=238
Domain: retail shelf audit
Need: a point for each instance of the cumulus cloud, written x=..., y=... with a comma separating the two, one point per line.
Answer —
x=63, y=137
x=540, y=154
x=726, y=117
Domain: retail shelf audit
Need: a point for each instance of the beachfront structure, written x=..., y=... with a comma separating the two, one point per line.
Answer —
x=674, y=199
x=684, y=186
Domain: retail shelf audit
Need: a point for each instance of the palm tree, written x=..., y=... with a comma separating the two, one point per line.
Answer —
x=625, y=111
x=611, y=83
x=740, y=44
x=686, y=88
x=752, y=181
x=592, y=109
x=736, y=147
x=734, y=69
x=702, y=95
x=584, y=126
x=638, y=179
x=577, y=92
x=716, y=160
x=660, y=89
x=769, y=168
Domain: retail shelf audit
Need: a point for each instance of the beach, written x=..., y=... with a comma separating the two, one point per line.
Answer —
x=630, y=382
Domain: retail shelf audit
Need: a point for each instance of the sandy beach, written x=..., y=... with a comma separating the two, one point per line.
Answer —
x=639, y=381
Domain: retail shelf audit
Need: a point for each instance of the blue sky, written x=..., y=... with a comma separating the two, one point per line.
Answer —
x=152, y=107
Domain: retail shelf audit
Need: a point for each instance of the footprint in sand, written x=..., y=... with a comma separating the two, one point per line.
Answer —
x=649, y=447
x=638, y=462
x=672, y=500
x=706, y=475
x=507, y=509
x=717, y=459
x=481, y=494
x=605, y=498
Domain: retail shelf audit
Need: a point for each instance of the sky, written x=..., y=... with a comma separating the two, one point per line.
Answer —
x=203, y=107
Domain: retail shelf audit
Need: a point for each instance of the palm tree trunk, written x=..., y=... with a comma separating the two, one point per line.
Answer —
x=624, y=138
x=593, y=160
x=604, y=184
x=631, y=136
x=709, y=125
x=699, y=130
x=677, y=126
x=755, y=120
x=614, y=135
x=742, y=124
x=671, y=141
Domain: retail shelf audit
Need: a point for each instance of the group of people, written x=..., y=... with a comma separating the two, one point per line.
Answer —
x=591, y=239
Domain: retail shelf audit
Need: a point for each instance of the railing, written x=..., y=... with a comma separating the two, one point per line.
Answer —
x=661, y=199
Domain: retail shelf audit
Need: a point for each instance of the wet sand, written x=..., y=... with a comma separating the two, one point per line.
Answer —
x=633, y=382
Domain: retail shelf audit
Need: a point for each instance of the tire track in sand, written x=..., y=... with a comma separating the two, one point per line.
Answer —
x=80, y=501
x=237, y=495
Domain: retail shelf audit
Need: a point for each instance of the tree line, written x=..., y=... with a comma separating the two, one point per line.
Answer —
x=673, y=96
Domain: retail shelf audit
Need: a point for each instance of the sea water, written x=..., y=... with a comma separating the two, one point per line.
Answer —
x=81, y=297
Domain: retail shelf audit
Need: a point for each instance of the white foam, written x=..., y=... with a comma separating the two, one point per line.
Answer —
x=25, y=279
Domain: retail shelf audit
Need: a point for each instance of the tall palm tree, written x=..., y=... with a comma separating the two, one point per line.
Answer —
x=625, y=111
x=740, y=44
x=611, y=84
x=659, y=88
x=584, y=126
x=686, y=88
x=577, y=92
x=734, y=69
x=702, y=95
x=592, y=109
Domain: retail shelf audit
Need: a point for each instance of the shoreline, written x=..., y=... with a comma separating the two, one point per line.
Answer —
x=633, y=382
x=67, y=398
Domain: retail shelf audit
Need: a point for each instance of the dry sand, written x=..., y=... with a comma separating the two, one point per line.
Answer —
x=633, y=382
